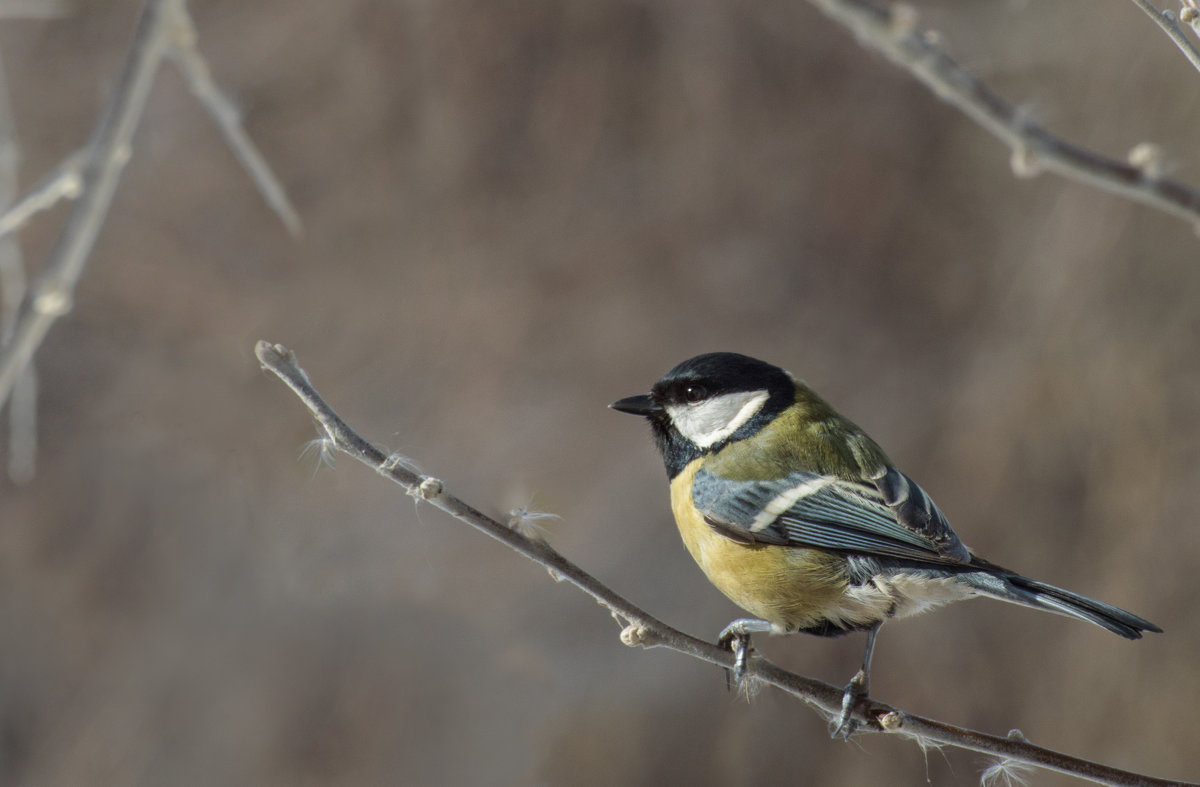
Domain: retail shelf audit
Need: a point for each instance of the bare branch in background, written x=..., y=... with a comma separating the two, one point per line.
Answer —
x=1170, y=25
x=195, y=71
x=65, y=181
x=91, y=176
x=641, y=628
x=893, y=31
x=22, y=413
x=50, y=295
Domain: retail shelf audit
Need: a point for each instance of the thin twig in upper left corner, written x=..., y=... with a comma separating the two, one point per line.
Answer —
x=49, y=296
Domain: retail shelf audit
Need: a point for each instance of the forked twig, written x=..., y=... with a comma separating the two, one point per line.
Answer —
x=49, y=296
x=92, y=175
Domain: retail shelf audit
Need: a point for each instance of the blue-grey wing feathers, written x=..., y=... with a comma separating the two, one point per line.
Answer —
x=916, y=510
x=893, y=518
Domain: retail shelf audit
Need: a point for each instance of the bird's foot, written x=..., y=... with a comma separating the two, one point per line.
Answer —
x=740, y=645
x=856, y=691
x=736, y=637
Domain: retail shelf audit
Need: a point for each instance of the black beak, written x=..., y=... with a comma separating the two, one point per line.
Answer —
x=641, y=405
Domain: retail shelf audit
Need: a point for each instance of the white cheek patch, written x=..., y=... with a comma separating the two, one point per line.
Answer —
x=711, y=421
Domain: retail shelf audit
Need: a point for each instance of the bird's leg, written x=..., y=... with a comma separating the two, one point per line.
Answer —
x=736, y=637
x=857, y=689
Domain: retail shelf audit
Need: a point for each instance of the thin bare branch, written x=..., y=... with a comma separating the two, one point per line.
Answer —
x=51, y=293
x=22, y=406
x=65, y=181
x=22, y=411
x=643, y=629
x=1170, y=25
x=893, y=32
x=185, y=54
x=22, y=430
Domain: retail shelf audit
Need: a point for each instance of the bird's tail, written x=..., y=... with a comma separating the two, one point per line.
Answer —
x=1017, y=589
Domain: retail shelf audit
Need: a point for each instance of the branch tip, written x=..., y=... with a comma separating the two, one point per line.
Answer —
x=271, y=355
x=632, y=635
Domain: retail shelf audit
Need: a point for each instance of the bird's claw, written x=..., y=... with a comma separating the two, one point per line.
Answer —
x=856, y=690
x=736, y=637
x=739, y=644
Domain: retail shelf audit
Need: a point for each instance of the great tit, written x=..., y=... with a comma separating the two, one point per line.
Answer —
x=800, y=518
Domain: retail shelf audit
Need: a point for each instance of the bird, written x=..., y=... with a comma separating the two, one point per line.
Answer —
x=803, y=521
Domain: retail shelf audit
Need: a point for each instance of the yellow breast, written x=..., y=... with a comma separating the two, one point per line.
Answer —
x=790, y=587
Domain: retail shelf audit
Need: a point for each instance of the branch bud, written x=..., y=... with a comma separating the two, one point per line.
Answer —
x=1147, y=157
x=1025, y=163
x=429, y=488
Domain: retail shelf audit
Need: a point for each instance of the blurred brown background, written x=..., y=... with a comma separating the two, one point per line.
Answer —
x=516, y=213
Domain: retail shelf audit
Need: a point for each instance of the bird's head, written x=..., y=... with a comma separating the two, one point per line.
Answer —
x=707, y=401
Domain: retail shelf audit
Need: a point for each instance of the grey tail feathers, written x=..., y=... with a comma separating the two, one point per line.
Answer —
x=1031, y=593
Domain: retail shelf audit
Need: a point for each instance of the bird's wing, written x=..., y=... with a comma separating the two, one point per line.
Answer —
x=888, y=517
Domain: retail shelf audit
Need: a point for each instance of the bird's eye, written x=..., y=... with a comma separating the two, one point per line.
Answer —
x=695, y=393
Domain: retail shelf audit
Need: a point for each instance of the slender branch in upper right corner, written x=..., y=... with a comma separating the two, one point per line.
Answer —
x=893, y=32
x=1170, y=25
